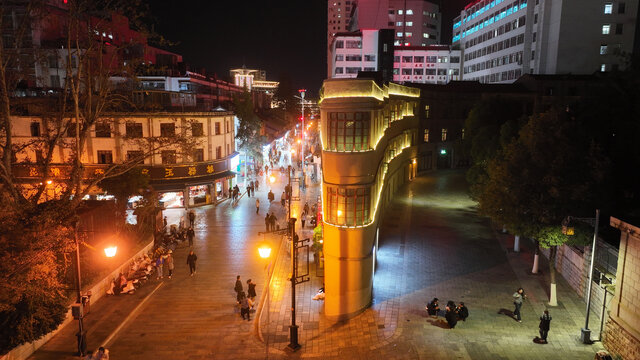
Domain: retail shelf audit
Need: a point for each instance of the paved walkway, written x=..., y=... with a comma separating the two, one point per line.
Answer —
x=431, y=244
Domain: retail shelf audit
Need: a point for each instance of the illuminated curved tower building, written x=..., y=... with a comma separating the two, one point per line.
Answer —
x=369, y=135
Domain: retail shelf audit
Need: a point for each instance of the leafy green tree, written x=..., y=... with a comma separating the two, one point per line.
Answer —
x=248, y=135
x=551, y=170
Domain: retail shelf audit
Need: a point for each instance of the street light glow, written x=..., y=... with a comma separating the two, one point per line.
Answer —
x=272, y=179
x=110, y=251
x=293, y=151
x=264, y=251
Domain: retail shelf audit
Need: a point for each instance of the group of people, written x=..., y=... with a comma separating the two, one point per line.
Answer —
x=101, y=354
x=453, y=312
x=251, y=188
x=545, y=318
x=270, y=222
x=245, y=300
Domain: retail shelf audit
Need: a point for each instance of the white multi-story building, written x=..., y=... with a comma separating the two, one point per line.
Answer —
x=434, y=64
x=354, y=52
x=503, y=39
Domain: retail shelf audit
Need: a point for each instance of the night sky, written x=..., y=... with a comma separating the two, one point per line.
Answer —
x=285, y=38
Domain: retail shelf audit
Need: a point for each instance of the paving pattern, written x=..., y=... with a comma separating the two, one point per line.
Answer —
x=432, y=244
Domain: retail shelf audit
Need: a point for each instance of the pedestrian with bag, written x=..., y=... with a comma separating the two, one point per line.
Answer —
x=518, y=298
x=545, y=322
x=191, y=260
x=251, y=292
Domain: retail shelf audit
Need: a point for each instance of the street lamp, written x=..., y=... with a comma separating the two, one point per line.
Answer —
x=77, y=309
x=265, y=252
x=272, y=179
x=302, y=92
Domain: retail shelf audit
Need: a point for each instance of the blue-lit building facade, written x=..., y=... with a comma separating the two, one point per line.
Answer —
x=501, y=40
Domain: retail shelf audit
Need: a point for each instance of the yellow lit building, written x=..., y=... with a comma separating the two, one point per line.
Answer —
x=369, y=149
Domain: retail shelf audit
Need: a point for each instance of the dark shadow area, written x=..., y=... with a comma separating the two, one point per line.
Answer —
x=438, y=323
x=508, y=313
x=537, y=340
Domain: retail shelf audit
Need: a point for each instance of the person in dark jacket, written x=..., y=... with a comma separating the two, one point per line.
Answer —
x=251, y=292
x=545, y=322
x=433, y=307
x=463, y=312
x=518, y=298
x=244, y=306
x=190, y=235
x=451, y=316
x=238, y=288
x=267, y=222
x=192, y=218
x=191, y=260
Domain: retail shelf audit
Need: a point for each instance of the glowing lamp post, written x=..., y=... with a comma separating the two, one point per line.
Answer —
x=265, y=252
x=110, y=251
x=272, y=179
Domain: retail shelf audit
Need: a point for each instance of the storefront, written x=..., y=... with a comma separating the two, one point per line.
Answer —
x=172, y=199
x=199, y=195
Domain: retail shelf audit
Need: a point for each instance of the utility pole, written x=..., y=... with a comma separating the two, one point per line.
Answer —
x=302, y=92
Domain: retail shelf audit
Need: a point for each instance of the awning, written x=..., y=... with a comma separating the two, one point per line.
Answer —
x=181, y=184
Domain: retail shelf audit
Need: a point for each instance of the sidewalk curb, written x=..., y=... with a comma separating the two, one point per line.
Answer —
x=129, y=317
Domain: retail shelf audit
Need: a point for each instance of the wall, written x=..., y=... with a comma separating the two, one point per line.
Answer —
x=622, y=335
x=98, y=291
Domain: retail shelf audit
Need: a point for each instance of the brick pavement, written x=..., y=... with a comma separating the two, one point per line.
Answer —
x=431, y=244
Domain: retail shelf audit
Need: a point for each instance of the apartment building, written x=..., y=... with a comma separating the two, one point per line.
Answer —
x=433, y=64
x=504, y=39
x=182, y=180
x=365, y=50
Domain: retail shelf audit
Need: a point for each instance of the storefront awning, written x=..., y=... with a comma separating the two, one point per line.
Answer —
x=181, y=184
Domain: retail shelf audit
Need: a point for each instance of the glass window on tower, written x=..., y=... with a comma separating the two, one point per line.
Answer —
x=409, y=12
x=606, y=29
x=608, y=8
x=603, y=49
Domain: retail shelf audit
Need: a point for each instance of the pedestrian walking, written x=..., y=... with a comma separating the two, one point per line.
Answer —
x=181, y=224
x=191, y=260
x=169, y=261
x=283, y=197
x=164, y=222
x=272, y=220
x=190, y=235
x=463, y=312
x=303, y=218
x=257, y=205
x=450, y=315
x=244, y=306
x=433, y=307
x=270, y=196
x=248, y=191
x=192, y=218
x=267, y=222
x=518, y=297
x=545, y=322
x=238, y=288
x=159, y=263
x=306, y=208
x=257, y=185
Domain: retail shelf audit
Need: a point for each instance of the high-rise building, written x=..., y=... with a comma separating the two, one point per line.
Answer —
x=414, y=22
x=433, y=64
x=503, y=39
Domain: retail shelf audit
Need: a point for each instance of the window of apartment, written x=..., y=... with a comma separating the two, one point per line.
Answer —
x=444, y=134
x=369, y=58
x=442, y=71
x=133, y=130
x=55, y=81
x=167, y=129
x=369, y=69
x=390, y=23
x=198, y=155
x=217, y=128
x=348, y=207
x=432, y=59
x=603, y=67
x=400, y=12
x=399, y=23
x=135, y=155
x=409, y=12
x=218, y=152
x=418, y=71
x=391, y=12
x=339, y=70
x=408, y=34
x=348, y=131
x=354, y=44
x=425, y=35
x=339, y=44
x=619, y=29
x=103, y=130
x=409, y=23
x=353, y=57
x=418, y=59
x=105, y=157
x=603, y=49
x=621, y=8
x=352, y=70
x=197, y=129
x=339, y=57
x=168, y=156
x=399, y=34
x=406, y=71
x=407, y=59
x=53, y=61
x=606, y=28
x=535, y=35
x=426, y=135
x=455, y=59
x=608, y=8
x=443, y=59
x=35, y=129
x=427, y=111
